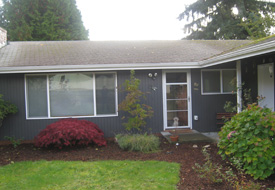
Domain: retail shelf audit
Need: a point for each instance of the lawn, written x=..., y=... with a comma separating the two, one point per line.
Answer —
x=89, y=175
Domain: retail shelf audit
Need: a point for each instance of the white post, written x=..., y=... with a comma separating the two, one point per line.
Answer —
x=239, y=86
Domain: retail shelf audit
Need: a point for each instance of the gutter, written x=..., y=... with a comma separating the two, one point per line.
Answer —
x=98, y=67
x=247, y=52
x=240, y=54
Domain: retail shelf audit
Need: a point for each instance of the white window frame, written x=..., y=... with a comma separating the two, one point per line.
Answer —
x=48, y=97
x=221, y=81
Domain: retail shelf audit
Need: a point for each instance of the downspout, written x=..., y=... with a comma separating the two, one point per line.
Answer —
x=239, y=86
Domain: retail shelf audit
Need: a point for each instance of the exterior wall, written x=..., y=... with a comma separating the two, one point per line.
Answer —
x=3, y=37
x=12, y=87
x=206, y=106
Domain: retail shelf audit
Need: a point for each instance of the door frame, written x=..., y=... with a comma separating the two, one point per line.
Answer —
x=189, y=97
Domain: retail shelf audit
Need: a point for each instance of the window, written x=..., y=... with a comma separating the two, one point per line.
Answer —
x=218, y=81
x=71, y=94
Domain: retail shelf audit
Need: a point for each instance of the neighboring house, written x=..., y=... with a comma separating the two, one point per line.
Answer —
x=83, y=79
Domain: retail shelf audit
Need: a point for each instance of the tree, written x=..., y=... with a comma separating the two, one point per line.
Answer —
x=42, y=20
x=229, y=19
x=137, y=112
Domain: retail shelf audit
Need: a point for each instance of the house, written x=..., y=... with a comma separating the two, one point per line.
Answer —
x=190, y=80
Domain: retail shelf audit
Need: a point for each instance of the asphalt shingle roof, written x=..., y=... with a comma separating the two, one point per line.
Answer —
x=52, y=53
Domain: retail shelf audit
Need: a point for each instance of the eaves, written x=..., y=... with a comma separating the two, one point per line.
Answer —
x=98, y=67
x=240, y=54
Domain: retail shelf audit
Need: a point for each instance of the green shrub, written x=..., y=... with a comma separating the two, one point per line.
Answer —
x=14, y=142
x=138, y=142
x=248, y=138
x=6, y=108
x=136, y=113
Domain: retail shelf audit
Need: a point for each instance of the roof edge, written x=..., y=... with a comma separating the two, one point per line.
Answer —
x=255, y=50
x=98, y=67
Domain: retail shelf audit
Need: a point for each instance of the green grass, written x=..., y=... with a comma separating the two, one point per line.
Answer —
x=101, y=175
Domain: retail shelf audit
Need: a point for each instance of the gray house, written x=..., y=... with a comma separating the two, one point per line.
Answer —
x=190, y=80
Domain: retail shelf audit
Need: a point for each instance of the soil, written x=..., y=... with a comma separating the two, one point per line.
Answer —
x=187, y=154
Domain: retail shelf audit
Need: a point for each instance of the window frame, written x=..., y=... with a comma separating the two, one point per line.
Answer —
x=48, y=97
x=221, y=81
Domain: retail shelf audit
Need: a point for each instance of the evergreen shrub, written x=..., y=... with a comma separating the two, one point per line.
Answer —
x=69, y=132
x=249, y=138
x=138, y=142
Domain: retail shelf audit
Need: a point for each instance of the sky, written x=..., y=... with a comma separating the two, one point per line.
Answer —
x=133, y=19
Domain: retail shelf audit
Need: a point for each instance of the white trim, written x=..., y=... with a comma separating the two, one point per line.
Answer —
x=189, y=97
x=254, y=50
x=26, y=95
x=94, y=94
x=48, y=97
x=221, y=82
x=239, y=86
x=239, y=54
x=97, y=67
x=60, y=117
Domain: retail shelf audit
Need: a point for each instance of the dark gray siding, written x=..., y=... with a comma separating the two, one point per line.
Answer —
x=206, y=106
x=12, y=87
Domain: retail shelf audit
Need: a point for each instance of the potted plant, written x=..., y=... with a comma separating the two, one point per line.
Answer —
x=175, y=137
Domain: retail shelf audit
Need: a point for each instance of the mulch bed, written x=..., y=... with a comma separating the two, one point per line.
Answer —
x=185, y=154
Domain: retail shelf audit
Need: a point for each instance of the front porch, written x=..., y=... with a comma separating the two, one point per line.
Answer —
x=188, y=135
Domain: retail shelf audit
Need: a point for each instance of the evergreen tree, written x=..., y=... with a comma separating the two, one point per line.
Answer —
x=229, y=19
x=42, y=20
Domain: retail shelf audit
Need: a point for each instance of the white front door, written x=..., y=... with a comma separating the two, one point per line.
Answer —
x=176, y=99
x=266, y=85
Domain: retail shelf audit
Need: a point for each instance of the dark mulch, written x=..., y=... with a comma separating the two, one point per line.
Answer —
x=185, y=154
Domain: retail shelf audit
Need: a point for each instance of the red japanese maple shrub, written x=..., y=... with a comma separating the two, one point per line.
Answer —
x=69, y=132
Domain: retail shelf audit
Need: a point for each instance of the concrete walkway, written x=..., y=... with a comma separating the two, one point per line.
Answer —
x=194, y=136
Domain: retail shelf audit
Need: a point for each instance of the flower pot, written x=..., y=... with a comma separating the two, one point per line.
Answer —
x=174, y=138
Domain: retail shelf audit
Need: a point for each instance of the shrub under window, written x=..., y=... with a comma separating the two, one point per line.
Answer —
x=69, y=132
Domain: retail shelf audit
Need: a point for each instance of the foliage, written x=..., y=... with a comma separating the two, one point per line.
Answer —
x=6, y=108
x=216, y=19
x=47, y=20
x=247, y=99
x=14, y=142
x=216, y=174
x=115, y=175
x=138, y=113
x=69, y=132
x=248, y=137
x=209, y=171
x=138, y=142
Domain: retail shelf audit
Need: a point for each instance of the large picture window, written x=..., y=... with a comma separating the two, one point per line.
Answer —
x=218, y=81
x=71, y=95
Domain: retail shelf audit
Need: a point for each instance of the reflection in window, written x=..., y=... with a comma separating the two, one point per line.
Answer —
x=105, y=93
x=219, y=81
x=211, y=81
x=71, y=94
x=37, y=96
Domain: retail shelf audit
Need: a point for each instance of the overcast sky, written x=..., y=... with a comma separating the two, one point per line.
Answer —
x=133, y=19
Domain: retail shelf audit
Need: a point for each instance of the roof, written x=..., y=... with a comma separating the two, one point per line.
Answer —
x=255, y=48
x=84, y=53
x=56, y=56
